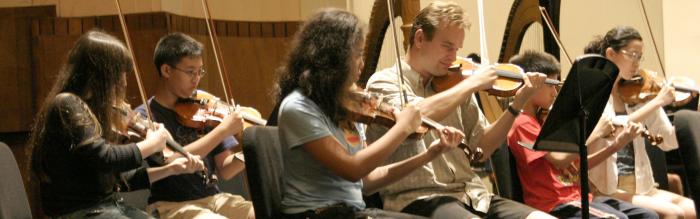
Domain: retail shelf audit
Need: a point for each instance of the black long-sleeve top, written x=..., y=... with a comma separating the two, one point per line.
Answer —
x=83, y=169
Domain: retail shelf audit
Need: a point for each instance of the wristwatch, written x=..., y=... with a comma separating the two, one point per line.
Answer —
x=513, y=110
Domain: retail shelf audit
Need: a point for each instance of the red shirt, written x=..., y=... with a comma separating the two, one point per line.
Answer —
x=544, y=186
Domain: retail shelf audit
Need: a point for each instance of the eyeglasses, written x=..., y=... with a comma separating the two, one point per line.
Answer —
x=633, y=55
x=201, y=72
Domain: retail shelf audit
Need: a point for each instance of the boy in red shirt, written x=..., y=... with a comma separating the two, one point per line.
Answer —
x=550, y=180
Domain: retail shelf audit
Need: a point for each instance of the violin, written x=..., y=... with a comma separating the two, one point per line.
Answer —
x=646, y=85
x=620, y=121
x=134, y=127
x=370, y=108
x=203, y=109
x=510, y=77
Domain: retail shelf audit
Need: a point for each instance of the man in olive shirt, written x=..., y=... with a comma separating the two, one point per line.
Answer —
x=447, y=187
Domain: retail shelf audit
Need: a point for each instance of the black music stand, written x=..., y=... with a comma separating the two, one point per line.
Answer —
x=581, y=102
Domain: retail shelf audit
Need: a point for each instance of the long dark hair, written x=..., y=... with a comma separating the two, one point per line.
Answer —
x=616, y=38
x=94, y=71
x=319, y=62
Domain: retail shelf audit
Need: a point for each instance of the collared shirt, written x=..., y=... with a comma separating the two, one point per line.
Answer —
x=605, y=175
x=448, y=174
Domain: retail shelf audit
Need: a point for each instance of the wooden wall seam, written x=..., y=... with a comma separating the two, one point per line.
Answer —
x=162, y=20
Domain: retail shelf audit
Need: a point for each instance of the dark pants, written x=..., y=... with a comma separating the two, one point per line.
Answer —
x=687, y=125
x=108, y=210
x=342, y=211
x=620, y=209
x=448, y=207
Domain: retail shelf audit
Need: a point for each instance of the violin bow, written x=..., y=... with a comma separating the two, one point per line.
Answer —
x=483, y=47
x=402, y=91
x=653, y=40
x=142, y=91
x=555, y=34
x=218, y=56
x=127, y=39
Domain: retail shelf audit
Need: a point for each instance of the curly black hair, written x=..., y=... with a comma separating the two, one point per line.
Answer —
x=318, y=63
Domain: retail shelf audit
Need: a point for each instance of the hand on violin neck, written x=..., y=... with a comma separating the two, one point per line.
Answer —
x=408, y=119
x=232, y=124
x=665, y=96
x=449, y=138
x=533, y=82
x=627, y=134
x=154, y=142
x=482, y=80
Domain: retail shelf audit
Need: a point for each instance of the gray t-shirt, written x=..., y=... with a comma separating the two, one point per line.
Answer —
x=307, y=184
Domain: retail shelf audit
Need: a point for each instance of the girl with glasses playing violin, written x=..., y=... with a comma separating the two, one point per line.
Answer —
x=628, y=175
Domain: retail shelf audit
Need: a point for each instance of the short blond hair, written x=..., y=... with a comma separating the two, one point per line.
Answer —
x=435, y=14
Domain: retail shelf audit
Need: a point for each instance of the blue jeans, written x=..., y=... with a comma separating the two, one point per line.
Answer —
x=108, y=210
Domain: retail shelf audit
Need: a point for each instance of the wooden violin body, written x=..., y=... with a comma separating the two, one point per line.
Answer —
x=370, y=108
x=510, y=77
x=203, y=109
x=646, y=85
x=654, y=139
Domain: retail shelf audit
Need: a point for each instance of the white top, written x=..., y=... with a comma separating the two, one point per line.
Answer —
x=604, y=176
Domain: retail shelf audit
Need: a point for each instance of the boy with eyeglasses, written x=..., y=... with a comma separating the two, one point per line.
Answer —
x=178, y=59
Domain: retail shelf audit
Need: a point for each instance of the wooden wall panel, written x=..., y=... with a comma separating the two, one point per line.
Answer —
x=17, y=111
x=253, y=64
x=252, y=50
x=51, y=52
x=17, y=87
x=35, y=44
x=52, y=48
x=145, y=44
